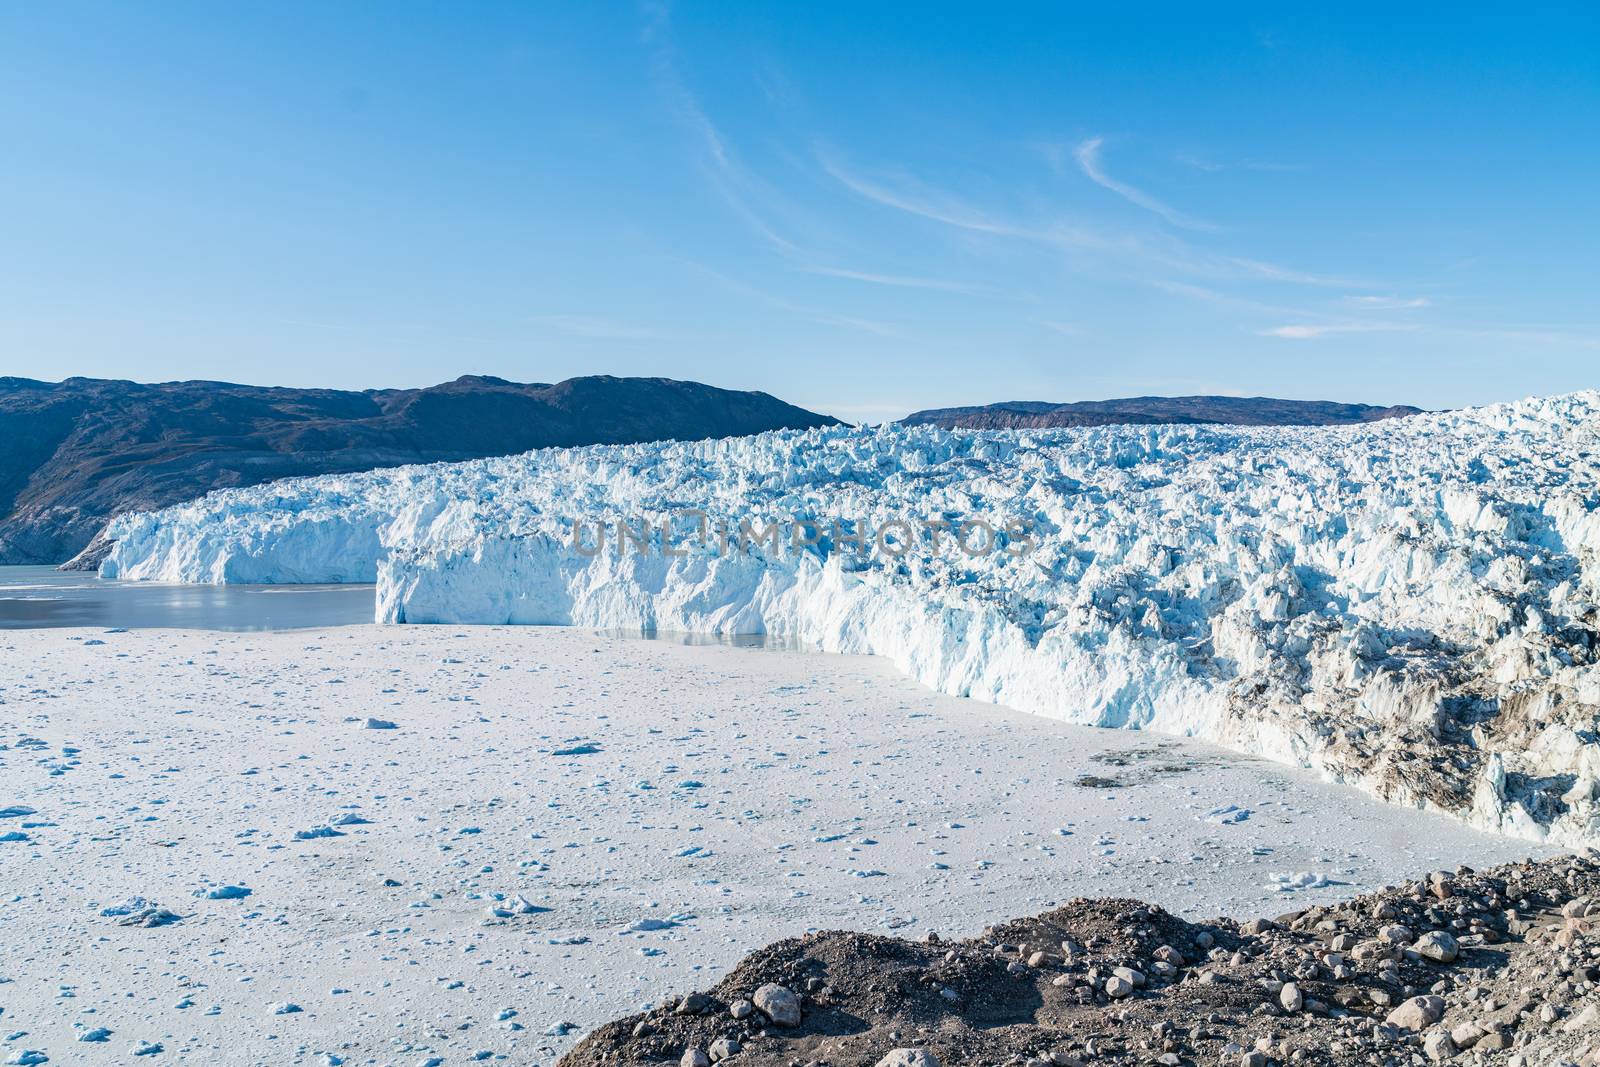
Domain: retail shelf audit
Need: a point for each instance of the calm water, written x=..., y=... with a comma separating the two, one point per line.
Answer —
x=43, y=596
x=34, y=597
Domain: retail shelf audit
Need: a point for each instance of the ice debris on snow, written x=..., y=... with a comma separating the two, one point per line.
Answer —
x=1227, y=815
x=126, y=907
x=510, y=907
x=137, y=911
x=223, y=892
x=317, y=832
x=1407, y=605
x=1288, y=883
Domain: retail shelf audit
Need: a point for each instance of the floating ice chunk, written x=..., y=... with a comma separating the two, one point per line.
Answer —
x=641, y=926
x=150, y=917
x=16, y=811
x=223, y=892
x=586, y=749
x=1288, y=883
x=99, y=1033
x=516, y=905
x=379, y=724
x=14, y=835
x=27, y=1057
x=316, y=832
x=1227, y=815
x=286, y=1007
x=127, y=907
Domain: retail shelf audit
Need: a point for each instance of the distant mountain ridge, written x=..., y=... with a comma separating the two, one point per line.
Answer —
x=1231, y=410
x=75, y=453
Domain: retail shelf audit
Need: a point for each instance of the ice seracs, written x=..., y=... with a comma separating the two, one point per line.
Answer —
x=1409, y=605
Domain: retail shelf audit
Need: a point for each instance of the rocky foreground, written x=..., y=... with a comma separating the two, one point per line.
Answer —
x=1499, y=966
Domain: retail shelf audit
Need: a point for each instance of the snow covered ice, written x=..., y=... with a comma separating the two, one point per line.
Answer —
x=1406, y=605
x=167, y=766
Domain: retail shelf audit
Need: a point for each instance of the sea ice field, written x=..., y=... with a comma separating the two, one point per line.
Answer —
x=438, y=845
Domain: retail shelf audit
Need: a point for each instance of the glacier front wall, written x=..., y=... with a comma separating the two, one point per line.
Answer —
x=1408, y=605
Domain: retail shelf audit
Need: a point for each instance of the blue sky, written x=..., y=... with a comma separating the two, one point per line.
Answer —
x=863, y=208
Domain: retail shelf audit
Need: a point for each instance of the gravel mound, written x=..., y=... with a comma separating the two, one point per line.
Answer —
x=1499, y=966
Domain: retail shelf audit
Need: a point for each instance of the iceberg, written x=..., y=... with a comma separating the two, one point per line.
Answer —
x=1409, y=606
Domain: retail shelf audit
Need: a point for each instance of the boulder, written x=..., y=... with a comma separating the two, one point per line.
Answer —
x=909, y=1057
x=1418, y=1013
x=1438, y=946
x=778, y=1004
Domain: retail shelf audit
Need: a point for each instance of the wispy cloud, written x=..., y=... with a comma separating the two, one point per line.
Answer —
x=1215, y=166
x=737, y=187
x=1306, y=331
x=1547, y=335
x=1389, y=303
x=918, y=201
x=1238, y=303
x=1089, y=161
x=1536, y=334
x=1144, y=254
x=815, y=314
x=1066, y=329
x=900, y=281
x=1274, y=272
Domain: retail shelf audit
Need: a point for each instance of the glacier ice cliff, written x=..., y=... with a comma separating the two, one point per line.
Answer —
x=1408, y=606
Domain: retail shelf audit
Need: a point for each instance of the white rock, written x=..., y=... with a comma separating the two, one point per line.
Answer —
x=1438, y=946
x=1418, y=1013
x=909, y=1057
x=1290, y=997
x=777, y=1004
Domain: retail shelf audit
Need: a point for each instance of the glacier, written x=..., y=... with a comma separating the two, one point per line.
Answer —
x=1408, y=606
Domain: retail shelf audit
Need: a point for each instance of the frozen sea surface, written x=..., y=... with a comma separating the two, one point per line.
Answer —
x=379, y=845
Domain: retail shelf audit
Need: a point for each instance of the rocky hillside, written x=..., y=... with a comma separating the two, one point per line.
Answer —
x=77, y=452
x=1501, y=966
x=1145, y=410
